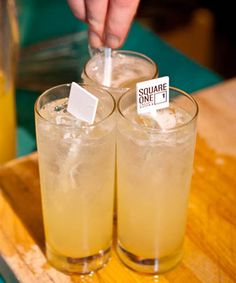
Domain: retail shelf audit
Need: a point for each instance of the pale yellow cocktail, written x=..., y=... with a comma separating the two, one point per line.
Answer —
x=127, y=68
x=154, y=163
x=76, y=163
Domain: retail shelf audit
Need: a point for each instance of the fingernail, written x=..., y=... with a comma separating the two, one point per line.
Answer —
x=94, y=40
x=112, y=41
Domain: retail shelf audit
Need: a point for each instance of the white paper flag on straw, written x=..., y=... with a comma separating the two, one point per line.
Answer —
x=82, y=104
x=152, y=95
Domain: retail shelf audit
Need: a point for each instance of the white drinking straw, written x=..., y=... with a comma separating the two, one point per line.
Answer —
x=107, y=67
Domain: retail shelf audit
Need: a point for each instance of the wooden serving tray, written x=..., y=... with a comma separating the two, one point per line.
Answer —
x=210, y=244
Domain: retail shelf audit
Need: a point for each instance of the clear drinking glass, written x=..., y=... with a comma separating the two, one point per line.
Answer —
x=76, y=162
x=8, y=60
x=128, y=68
x=154, y=162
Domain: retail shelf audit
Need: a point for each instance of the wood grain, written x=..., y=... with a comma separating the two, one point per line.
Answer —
x=210, y=244
x=217, y=116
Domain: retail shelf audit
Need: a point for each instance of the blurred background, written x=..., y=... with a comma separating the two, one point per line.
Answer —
x=202, y=30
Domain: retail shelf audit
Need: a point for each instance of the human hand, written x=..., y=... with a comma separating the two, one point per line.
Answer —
x=109, y=20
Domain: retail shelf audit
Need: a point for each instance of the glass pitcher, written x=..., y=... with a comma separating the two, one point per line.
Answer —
x=8, y=60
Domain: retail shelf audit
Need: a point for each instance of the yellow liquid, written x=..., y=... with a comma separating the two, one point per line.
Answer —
x=154, y=173
x=77, y=192
x=75, y=226
x=126, y=72
x=7, y=123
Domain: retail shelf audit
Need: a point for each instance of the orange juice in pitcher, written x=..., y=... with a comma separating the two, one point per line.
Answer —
x=8, y=55
x=7, y=122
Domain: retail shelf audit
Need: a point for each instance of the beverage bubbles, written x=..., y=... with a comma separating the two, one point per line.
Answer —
x=128, y=68
x=154, y=163
x=76, y=162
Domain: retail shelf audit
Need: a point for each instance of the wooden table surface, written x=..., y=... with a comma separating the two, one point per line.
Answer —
x=210, y=244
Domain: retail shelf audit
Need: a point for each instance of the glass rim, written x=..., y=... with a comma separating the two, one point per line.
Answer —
x=131, y=52
x=37, y=112
x=173, y=129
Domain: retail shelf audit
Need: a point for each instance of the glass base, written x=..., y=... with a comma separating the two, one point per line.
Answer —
x=149, y=266
x=70, y=265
